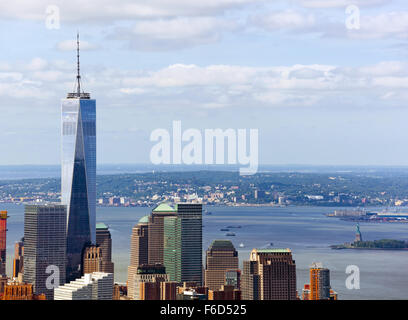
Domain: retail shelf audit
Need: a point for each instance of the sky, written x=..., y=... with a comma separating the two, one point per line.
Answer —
x=321, y=86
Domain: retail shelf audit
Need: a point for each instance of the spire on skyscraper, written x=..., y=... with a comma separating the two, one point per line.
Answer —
x=78, y=94
x=78, y=69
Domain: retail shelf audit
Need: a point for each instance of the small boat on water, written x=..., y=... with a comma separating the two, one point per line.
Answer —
x=230, y=234
x=241, y=245
x=224, y=229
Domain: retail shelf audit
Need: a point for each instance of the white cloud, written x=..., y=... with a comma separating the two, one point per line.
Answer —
x=218, y=86
x=10, y=76
x=384, y=25
x=301, y=85
x=179, y=28
x=385, y=68
x=180, y=75
x=391, y=82
x=340, y=3
x=108, y=10
x=287, y=20
x=173, y=33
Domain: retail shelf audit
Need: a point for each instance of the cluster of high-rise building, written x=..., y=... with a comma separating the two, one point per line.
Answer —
x=165, y=264
x=166, y=257
x=66, y=255
x=166, y=247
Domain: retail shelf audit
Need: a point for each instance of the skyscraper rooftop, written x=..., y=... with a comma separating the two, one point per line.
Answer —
x=101, y=226
x=144, y=219
x=221, y=245
x=274, y=250
x=164, y=207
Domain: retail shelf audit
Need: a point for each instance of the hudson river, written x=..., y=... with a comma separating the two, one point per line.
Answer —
x=305, y=230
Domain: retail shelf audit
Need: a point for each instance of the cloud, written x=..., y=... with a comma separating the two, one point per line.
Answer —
x=179, y=75
x=287, y=20
x=384, y=25
x=174, y=33
x=340, y=3
x=217, y=86
x=306, y=73
x=110, y=11
x=395, y=68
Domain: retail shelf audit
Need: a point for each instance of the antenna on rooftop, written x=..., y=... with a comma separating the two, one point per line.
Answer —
x=78, y=69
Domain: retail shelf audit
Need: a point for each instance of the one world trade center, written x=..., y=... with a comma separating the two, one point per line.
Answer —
x=78, y=172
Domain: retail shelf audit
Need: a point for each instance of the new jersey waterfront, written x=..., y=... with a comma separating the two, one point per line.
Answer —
x=305, y=230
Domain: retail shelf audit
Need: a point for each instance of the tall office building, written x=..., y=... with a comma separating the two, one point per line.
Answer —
x=220, y=256
x=183, y=244
x=78, y=173
x=18, y=261
x=3, y=238
x=250, y=280
x=44, y=245
x=270, y=274
x=319, y=282
x=138, y=251
x=104, y=241
x=156, y=232
x=91, y=286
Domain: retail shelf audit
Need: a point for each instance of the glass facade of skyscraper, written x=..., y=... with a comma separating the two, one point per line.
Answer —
x=172, y=248
x=78, y=175
x=183, y=244
x=44, y=245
